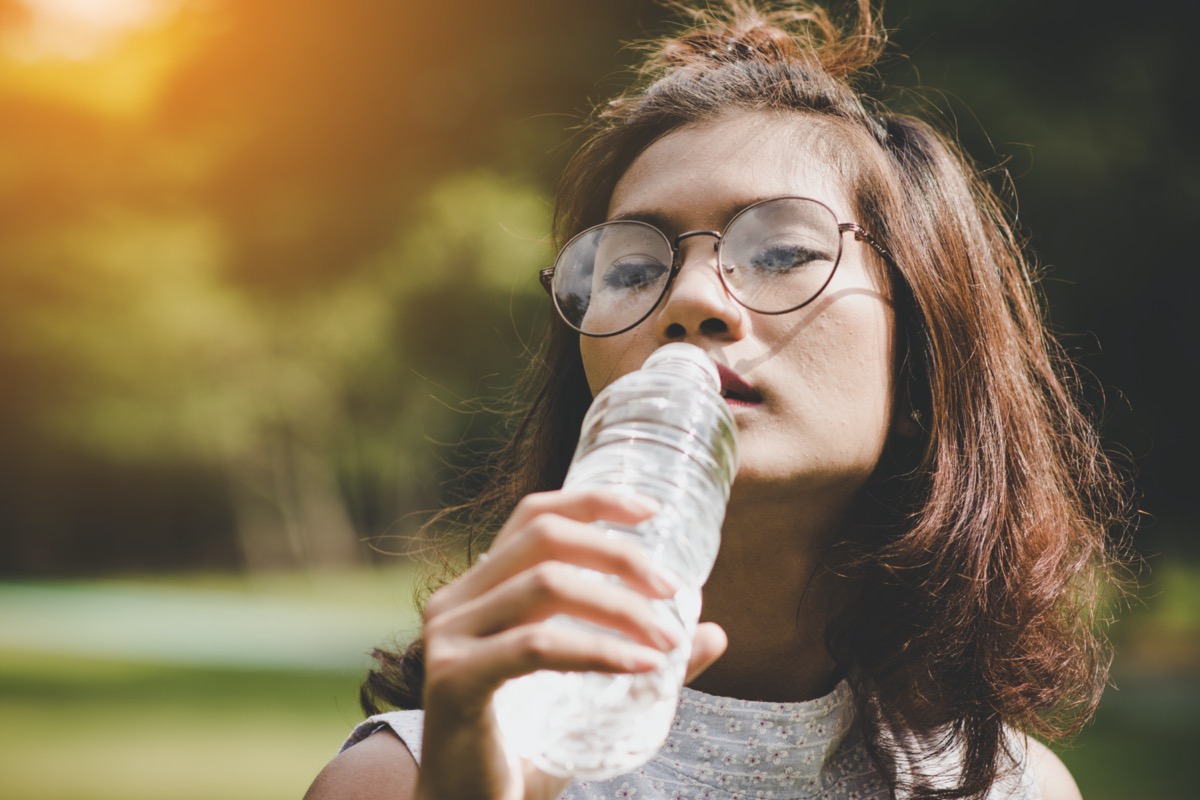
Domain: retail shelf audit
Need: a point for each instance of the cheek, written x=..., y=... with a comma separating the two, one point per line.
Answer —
x=608, y=358
x=862, y=340
x=846, y=371
x=866, y=340
x=594, y=360
x=866, y=378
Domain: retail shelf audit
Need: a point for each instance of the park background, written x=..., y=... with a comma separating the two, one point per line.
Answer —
x=266, y=265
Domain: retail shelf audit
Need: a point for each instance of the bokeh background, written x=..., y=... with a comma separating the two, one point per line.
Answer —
x=266, y=267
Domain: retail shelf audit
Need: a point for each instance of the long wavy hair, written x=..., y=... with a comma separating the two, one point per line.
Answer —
x=983, y=550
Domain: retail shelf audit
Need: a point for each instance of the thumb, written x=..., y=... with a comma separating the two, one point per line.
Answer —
x=708, y=645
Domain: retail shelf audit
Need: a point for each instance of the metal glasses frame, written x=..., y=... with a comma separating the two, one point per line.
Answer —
x=546, y=275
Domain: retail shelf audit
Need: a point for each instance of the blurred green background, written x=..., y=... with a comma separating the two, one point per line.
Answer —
x=266, y=265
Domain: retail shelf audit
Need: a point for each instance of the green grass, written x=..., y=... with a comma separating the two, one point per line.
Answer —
x=78, y=729
x=1143, y=743
x=80, y=726
x=1146, y=735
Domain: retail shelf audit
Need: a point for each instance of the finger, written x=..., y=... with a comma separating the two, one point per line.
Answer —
x=468, y=674
x=554, y=538
x=584, y=545
x=708, y=645
x=589, y=505
x=551, y=588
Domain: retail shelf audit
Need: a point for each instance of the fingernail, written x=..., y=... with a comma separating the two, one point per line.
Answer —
x=642, y=504
x=665, y=582
x=668, y=637
x=643, y=659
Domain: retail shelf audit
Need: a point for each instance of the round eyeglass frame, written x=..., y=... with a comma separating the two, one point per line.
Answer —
x=546, y=276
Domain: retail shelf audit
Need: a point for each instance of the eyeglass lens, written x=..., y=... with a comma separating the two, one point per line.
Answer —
x=774, y=256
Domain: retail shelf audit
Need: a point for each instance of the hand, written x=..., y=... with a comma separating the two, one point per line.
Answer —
x=490, y=625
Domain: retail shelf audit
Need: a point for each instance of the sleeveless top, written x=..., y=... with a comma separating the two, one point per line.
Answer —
x=726, y=749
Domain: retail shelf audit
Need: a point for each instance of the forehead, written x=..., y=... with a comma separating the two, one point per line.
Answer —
x=700, y=175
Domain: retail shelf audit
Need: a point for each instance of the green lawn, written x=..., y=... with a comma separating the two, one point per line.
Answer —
x=1144, y=742
x=231, y=688
x=1146, y=736
x=78, y=729
x=247, y=723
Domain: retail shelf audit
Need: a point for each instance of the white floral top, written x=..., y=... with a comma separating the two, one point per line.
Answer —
x=725, y=749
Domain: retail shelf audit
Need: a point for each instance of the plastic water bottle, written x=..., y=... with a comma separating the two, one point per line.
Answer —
x=663, y=432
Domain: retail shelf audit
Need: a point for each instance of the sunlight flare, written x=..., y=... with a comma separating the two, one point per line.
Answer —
x=81, y=29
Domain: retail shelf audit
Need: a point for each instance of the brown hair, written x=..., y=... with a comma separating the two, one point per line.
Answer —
x=983, y=549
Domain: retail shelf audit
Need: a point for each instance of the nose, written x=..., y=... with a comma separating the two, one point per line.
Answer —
x=698, y=306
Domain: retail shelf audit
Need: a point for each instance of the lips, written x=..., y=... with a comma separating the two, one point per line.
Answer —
x=735, y=390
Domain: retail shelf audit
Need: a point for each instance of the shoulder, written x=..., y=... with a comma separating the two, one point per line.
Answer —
x=1051, y=774
x=377, y=767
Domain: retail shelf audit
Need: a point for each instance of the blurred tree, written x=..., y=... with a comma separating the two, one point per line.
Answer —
x=261, y=263
x=219, y=275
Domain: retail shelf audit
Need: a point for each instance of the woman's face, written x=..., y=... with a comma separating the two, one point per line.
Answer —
x=814, y=404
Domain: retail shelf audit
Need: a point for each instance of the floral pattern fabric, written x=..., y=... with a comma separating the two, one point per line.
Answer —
x=725, y=749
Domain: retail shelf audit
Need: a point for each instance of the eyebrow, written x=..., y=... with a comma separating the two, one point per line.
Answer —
x=649, y=217
x=664, y=223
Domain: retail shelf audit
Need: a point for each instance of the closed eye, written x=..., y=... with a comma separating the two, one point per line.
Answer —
x=632, y=273
x=784, y=258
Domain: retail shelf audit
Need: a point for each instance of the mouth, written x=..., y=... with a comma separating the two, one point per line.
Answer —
x=735, y=390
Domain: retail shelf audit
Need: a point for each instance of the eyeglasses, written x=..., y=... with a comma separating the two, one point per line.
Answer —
x=773, y=257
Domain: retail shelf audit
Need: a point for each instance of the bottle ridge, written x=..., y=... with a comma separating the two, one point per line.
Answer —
x=663, y=432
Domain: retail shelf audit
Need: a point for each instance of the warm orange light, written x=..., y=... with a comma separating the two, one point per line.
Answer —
x=81, y=29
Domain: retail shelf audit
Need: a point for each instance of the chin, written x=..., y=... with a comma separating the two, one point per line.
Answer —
x=761, y=482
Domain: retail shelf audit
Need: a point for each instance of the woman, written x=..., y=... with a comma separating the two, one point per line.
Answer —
x=916, y=535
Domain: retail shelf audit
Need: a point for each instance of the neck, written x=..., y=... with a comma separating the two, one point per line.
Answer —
x=770, y=593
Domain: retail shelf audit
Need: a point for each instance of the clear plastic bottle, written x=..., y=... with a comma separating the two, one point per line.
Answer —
x=663, y=432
